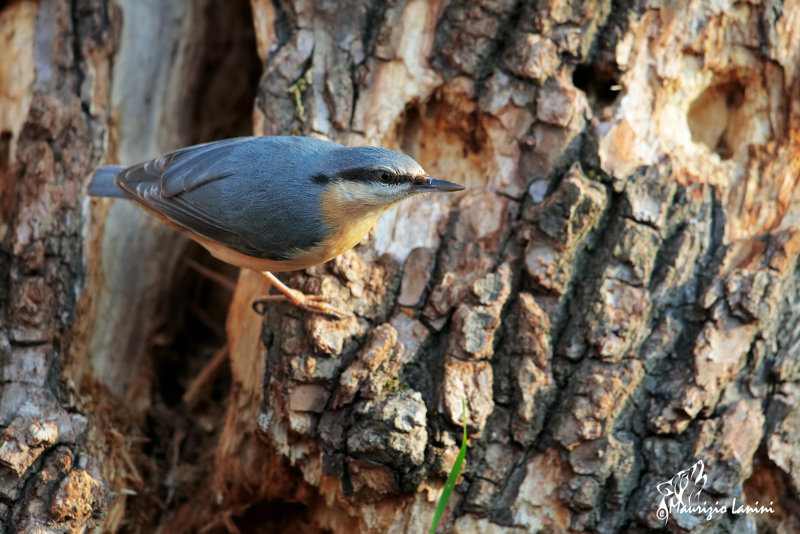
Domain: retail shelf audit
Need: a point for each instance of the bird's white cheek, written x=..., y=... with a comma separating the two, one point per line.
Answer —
x=361, y=194
x=350, y=192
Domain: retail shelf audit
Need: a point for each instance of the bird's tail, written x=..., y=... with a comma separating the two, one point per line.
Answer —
x=102, y=184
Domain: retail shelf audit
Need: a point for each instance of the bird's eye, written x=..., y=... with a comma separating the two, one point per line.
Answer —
x=385, y=177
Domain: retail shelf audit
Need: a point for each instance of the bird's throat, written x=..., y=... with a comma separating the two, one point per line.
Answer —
x=348, y=220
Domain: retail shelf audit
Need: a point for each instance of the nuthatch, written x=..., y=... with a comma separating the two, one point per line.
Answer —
x=271, y=204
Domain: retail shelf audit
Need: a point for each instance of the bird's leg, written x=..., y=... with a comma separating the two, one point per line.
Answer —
x=312, y=303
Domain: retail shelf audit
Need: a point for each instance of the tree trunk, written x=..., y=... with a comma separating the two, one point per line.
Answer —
x=614, y=296
x=53, y=114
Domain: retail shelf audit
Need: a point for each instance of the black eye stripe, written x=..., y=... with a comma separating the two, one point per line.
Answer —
x=371, y=175
x=355, y=175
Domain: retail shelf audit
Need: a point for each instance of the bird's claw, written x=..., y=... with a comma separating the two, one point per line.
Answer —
x=325, y=309
x=310, y=303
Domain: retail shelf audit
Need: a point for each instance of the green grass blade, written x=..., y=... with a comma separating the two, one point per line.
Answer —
x=450, y=485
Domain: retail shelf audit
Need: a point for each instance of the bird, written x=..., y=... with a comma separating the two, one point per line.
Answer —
x=272, y=203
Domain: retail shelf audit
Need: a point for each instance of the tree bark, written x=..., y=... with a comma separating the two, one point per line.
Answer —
x=54, y=87
x=615, y=295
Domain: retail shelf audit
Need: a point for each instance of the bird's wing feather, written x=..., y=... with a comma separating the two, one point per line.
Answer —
x=185, y=169
x=255, y=214
x=161, y=184
x=194, y=216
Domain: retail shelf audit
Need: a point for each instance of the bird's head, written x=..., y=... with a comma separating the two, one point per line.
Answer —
x=375, y=178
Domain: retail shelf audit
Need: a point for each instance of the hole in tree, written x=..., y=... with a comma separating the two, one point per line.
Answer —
x=599, y=82
x=447, y=142
x=410, y=129
x=715, y=118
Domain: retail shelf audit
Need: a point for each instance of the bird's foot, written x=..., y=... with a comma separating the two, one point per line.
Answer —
x=311, y=303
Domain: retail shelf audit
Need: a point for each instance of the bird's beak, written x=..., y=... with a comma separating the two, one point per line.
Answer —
x=432, y=184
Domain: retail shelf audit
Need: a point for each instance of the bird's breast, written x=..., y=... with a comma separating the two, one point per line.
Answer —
x=348, y=222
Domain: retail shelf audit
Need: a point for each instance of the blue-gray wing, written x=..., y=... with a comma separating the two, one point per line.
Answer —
x=185, y=169
x=233, y=192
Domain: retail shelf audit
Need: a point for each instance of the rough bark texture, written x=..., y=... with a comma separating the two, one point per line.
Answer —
x=616, y=294
x=55, y=79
